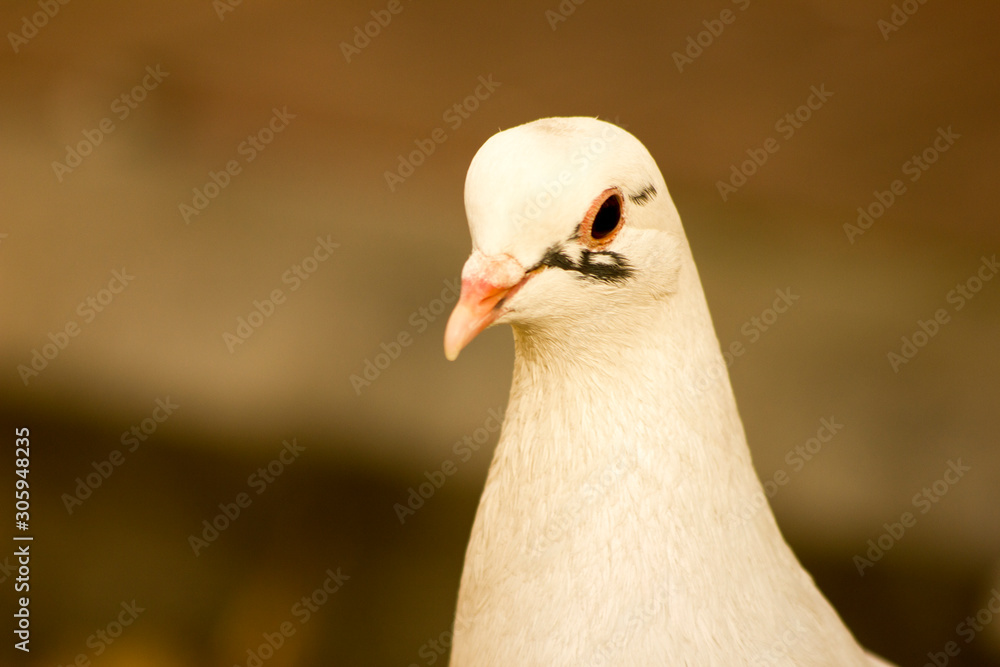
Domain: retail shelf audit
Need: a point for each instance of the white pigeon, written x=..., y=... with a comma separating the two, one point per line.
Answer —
x=622, y=522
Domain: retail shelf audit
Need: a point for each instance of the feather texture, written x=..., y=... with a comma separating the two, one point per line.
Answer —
x=613, y=527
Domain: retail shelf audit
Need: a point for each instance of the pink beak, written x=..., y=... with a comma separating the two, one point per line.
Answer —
x=486, y=282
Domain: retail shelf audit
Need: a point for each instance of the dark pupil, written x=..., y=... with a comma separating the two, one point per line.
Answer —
x=607, y=218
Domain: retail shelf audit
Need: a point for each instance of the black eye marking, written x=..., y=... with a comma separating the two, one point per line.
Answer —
x=645, y=196
x=604, y=266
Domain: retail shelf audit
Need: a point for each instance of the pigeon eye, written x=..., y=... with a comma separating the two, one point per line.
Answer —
x=603, y=220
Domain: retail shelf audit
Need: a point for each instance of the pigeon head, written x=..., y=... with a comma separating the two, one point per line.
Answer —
x=572, y=226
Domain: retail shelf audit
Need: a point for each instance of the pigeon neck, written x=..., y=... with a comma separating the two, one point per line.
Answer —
x=612, y=376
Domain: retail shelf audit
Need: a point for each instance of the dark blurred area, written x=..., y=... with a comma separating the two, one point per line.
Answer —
x=222, y=319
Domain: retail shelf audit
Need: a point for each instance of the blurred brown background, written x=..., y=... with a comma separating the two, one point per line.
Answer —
x=222, y=70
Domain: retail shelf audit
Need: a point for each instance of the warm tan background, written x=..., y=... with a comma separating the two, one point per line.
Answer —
x=323, y=175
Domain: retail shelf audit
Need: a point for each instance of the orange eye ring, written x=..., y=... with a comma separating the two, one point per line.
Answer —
x=604, y=219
